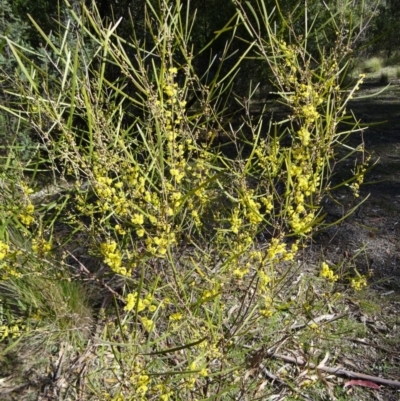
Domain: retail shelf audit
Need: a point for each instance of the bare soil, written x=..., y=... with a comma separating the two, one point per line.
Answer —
x=370, y=239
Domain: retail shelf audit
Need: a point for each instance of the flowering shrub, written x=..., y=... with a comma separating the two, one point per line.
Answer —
x=172, y=222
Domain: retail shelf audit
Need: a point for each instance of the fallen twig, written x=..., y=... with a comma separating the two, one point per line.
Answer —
x=328, y=319
x=368, y=344
x=335, y=370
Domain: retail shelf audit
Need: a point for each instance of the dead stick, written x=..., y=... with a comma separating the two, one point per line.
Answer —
x=356, y=340
x=335, y=371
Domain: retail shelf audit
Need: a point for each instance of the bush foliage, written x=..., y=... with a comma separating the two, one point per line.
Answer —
x=169, y=235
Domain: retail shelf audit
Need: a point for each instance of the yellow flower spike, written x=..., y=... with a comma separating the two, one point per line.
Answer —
x=113, y=257
x=358, y=283
x=140, y=232
x=277, y=248
x=176, y=316
x=4, y=249
x=170, y=91
x=171, y=136
x=174, y=172
x=240, y=273
x=304, y=135
x=264, y=278
x=138, y=219
x=107, y=247
x=131, y=301
x=153, y=220
x=149, y=297
x=142, y=383
x=268, y=203
x=120, y=230
x=236, y=221
x=4, y=332
x=152, y=308
x=266, y=312
x=148, y=324
x=26, y=216
x=105, y=207
x=147, y=197
x=41, y=246
x=328, y=273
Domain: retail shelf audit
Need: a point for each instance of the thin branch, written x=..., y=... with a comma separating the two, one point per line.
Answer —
x=337, y=371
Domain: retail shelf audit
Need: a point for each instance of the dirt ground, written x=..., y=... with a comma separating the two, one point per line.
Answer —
x=371, y=236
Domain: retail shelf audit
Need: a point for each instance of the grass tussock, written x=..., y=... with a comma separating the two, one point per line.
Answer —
x=371, y=65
